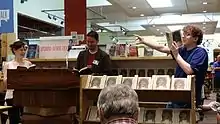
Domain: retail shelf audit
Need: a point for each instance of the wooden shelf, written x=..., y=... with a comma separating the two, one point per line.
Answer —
x=112, y=58
x=147, y=98
x=149, y=95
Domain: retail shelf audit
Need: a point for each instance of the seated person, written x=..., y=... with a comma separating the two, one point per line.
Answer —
x=94, y=58
x=19, y=51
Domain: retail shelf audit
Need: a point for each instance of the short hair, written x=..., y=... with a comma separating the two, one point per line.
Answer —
x=94, y=35
x=195, y=32
x=118, y=100
x=16, y=45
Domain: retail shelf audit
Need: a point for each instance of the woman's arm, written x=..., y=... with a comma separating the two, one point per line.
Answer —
x=5, y=67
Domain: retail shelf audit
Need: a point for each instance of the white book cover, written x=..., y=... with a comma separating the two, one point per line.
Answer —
x=144, y=83
x=161, y=82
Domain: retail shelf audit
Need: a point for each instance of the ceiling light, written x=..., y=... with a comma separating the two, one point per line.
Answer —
x=134, y=7
x=204, y=3
x=153, y=26
x=204, y=23
x=158, y=29
x=161, y=32
x=160, y=3
x=97, y=3
x=204, y=27
x=141, y=15
x=204, y=11
x=175, y=27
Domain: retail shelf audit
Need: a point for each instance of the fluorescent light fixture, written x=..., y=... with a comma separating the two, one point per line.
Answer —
x=153, y=26
x=204, y=27
x=95, y=3
x=158, y=29
x=175, y=27
x=204, y=11
x=204, y=23
x=160, y=3
x=161, y=33
x=134, y=7
x=141, y=15
x=204, y=3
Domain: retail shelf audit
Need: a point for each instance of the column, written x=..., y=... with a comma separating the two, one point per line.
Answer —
x=75, y=16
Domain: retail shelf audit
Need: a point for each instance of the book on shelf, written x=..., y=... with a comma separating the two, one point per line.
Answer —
x=132, y=50
x=111, y=49
x=121, y=50
x=33, y=66
x=33, y=51
x=83, y=71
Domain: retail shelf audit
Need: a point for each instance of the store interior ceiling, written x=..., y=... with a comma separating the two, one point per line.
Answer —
x=155, y=17
x=144, y=17
x=35, y=28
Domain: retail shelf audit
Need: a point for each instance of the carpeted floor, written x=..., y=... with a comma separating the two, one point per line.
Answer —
x=210, y=117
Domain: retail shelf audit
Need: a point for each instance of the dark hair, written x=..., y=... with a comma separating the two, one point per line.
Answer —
x=195, y=32
x=16, y=45
x=94, y=35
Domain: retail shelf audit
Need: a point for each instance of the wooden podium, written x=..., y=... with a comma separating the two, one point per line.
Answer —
x=47, y=94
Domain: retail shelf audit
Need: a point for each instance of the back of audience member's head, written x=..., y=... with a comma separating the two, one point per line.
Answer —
x=117, y=101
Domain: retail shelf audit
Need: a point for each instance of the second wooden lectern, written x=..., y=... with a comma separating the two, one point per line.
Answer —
x=53, y=91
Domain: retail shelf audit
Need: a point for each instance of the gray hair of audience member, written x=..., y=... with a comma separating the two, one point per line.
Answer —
x=118, y=100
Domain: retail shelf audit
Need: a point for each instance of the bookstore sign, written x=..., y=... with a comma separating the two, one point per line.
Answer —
x=6, y=16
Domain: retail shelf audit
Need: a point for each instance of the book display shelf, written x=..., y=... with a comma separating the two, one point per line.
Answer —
x=154, y=93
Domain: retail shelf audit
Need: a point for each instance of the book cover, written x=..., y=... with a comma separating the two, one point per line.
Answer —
x=32, y=51
x=121, y=50
x=174, y=36
x=133, y=50
x=111, y=49
x=33, y=66
x=83, y=71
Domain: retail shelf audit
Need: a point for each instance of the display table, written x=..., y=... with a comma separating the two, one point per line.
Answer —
x=48, y=95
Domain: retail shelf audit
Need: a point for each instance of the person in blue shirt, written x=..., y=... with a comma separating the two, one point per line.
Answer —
x=190, y=59
x=216, y=70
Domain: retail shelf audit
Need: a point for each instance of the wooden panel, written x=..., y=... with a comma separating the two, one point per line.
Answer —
x=32, y=119
x=44, y=98
x=149, y=95
x=42, y=79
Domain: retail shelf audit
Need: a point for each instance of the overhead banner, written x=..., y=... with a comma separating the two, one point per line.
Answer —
x=6, y=16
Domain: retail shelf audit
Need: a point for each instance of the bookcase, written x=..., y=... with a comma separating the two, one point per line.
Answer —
x=149, y=99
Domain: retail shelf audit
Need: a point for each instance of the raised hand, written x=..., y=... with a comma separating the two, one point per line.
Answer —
x=139, y=39
x=175, y=49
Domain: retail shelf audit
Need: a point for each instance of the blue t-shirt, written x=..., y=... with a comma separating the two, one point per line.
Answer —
x=217, y=72
x=198, y=60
